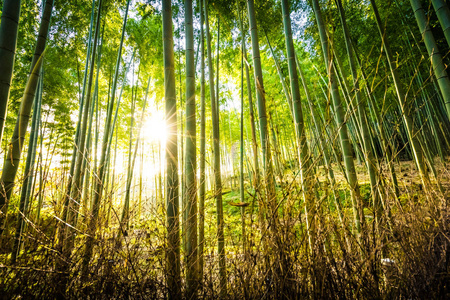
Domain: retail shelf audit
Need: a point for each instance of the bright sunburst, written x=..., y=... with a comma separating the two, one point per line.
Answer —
x=155, y=129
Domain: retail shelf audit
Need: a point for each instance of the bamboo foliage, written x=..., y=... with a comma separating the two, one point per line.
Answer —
x=337, y=210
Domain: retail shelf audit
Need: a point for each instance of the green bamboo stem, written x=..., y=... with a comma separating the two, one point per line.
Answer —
x=342, y=127
x=280, y=75
x=322, y=146
x=366, y=139
x=387, y=147
x=433, y=51
x=256, y=173
x=302, y=145
x=242, y=145
x=91, y=165
x=124, y=221
x=8, y=42
x=443, y=14
x=100, y=183
x=66, y=196
x=12, y=158
x=22, y=214
x=191, y=160
x=202, y=183
x=77, y=179
x=413, y=136
x=172, y=181
x=264, y=133
x=217, y=173
x=125, y=218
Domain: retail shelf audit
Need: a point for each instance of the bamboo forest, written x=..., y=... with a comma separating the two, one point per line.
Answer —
x=225, y=149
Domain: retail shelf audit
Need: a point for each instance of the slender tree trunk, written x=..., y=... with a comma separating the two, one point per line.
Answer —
x=12, y=159
x=90, y=164
x=388, y=148
x=217, y=173
x=242, y=145
x=231, y=156
x=280, y=75
x=443, y=14
x=403, y=101
x=29, y=169
x=218, y=67
x=141, y=171
x=8, y=41
x=264, y=133
x=340, y=121
x=41, y=176
x=181, y=153
x=439, y=68
x=101, y=173
x=368, y=152
x=191, y=160
x=256, y=178
x=302, y=144
x=77, y=179
x=172, y=184
x=116, y=113
x=201, y=207
x=66, y=196
x=125, y=218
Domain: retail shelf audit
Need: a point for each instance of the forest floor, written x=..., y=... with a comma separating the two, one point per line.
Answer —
x=406, y=171
x=414, y=242
x=408, y=177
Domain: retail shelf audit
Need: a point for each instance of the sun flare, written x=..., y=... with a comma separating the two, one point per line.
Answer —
x=155, y=129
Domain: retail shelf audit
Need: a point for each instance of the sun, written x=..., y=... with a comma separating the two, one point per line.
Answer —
x=155, y=129
x=154, y=132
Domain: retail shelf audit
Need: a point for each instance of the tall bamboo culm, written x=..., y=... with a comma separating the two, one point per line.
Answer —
x=102, y=167
x=8, y=42
x=217, y=173
x=190, y=160
x=439, y=68
x=404, y=104
x=12, y=158
x=172, y=182
x=346, y=147
x=443, y=14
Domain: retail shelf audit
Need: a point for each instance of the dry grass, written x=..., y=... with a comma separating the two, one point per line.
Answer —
x=403, y=255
